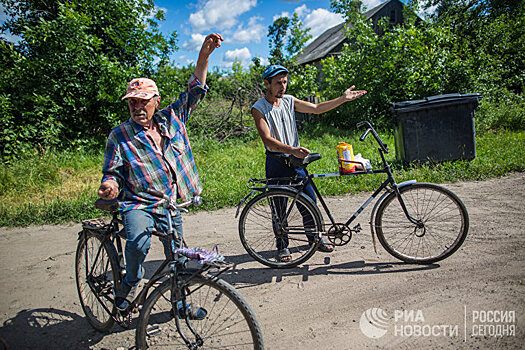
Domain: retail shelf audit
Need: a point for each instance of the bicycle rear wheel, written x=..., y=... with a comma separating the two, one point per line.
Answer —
x=96, y=272
x=443, y=224
x=275, y=220
x=230, y=323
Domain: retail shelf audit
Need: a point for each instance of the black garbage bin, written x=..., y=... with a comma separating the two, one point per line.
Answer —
x=437, y=128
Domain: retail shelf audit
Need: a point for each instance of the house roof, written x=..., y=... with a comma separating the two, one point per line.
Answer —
x=326, y=42
x=372, y=12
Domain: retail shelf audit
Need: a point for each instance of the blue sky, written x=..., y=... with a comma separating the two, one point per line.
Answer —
x=243, y=24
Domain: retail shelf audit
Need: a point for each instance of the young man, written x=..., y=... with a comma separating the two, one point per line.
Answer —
x=152, y=150
x=274, y=116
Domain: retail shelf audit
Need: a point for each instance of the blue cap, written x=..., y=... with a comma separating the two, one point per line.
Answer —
x=273, y=70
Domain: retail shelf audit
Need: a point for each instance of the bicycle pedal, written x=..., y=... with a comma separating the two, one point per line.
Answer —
x=357, y=228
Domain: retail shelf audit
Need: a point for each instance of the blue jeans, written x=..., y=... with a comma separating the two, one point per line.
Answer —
x=138, y=225
x=274, y=168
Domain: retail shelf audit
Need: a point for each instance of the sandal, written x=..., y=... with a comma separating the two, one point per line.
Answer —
x=325, y=247
x=283, y=255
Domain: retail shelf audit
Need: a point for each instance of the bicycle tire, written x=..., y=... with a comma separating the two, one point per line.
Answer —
x=259, y=234
x=230, y=322
x=104, y=277
x=444, y=217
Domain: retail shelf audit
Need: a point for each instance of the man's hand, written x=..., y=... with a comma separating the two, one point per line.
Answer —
x=300, y=152
x=351, y=95
x=108, y=190
x=211, y=42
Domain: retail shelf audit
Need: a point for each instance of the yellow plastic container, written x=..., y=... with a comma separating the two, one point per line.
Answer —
x=345, y=152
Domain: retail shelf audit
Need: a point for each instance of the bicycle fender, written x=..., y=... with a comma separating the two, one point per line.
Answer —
x=378, y=202
x=242, y=201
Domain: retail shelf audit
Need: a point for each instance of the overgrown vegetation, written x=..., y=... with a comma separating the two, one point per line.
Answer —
x=61, y=187
x=62, y=82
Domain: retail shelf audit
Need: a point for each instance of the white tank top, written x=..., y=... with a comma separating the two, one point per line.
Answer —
x=281, y=120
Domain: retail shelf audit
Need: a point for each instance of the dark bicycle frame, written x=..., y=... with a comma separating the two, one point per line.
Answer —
x=174, y=272
x=300, y=183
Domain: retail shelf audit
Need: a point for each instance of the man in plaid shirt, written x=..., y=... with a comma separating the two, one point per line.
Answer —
x=152, y=150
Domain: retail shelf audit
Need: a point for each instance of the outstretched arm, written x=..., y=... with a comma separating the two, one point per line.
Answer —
x=318, y=108
x=211, y=42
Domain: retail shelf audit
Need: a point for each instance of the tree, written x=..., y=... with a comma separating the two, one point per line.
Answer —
x=491, y=34
x=298, y=36
x=287, y=38
x=63, y=80
x=276, y=35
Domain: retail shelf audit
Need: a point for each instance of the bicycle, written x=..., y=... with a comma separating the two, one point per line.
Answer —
x=419, y=223
x=188, y=307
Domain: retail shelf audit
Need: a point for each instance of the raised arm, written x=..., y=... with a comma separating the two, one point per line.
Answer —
x=211, y=42
x=318, y=108
x=272, y=143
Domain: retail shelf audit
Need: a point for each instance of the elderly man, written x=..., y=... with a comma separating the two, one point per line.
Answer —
x=152, y=150
x=274, y=116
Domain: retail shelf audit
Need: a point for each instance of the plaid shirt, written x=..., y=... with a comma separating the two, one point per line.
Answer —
x=132, y=159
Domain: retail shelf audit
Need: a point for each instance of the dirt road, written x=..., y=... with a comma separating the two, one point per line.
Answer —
x=473, y=300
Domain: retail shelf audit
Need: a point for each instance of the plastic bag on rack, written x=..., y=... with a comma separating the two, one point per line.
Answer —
x=359, y=158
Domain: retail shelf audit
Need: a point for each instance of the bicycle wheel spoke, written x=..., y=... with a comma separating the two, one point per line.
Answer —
x=96, y=275
x=277, y=220
x=225, y=326
x=442, y=224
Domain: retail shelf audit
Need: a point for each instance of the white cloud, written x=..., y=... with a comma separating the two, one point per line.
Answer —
x=302, y=11
x=320, y=20
x=283, y=14
x=264, y=61
x=194, y=43
x=243, y=55
x=220, y=14
x=252, y=33
x=370, y=4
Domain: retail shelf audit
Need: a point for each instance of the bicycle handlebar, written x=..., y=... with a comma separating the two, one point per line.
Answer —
x=370, y=128
x=363, y=137
x=197, y=200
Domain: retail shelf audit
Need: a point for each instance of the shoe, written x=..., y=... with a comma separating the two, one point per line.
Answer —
x=325, y=247
x=193, y=313
x=123, y=296
x=283, y=255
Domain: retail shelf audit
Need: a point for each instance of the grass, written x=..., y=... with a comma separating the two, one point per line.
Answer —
x=61, y=187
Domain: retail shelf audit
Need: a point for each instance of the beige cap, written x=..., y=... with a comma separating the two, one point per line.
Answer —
x=141, y=88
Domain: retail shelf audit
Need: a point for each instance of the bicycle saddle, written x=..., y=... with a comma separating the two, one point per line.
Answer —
x=110, y=205
x=312, y=157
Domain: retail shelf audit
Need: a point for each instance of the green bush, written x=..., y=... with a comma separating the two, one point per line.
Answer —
x=501, y=109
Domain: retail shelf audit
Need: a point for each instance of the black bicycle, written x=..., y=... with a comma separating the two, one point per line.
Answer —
x=187, y=308
x=418, y=223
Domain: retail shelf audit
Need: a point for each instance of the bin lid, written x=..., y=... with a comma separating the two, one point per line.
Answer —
x=435, y=101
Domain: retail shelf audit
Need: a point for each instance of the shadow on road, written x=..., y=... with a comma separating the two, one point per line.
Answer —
x=252, y=276
x=49, y=328
x=260, y=275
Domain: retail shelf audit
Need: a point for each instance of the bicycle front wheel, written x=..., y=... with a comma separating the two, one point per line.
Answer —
x=230, y=323
x=96, y=272
x=278, y=220
x=442, y=227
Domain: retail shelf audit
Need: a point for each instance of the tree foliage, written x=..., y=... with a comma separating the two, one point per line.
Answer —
x=63, y=79
x=287, y=38
x=466, y=46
